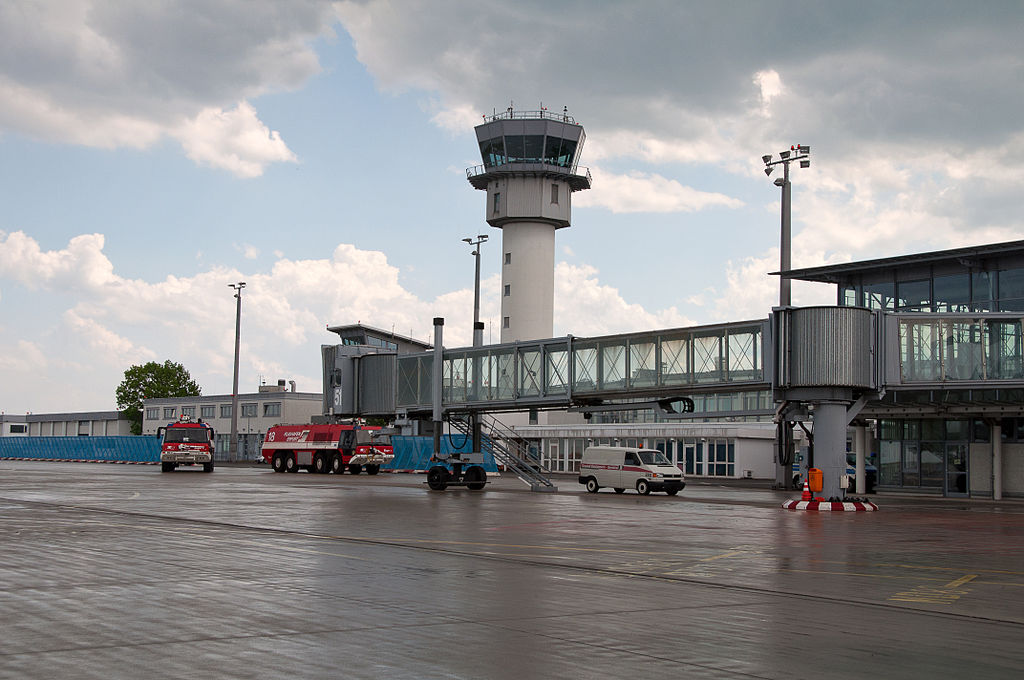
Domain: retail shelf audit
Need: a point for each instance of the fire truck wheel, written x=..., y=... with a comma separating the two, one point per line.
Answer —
x=166, y=467
x=337, y=464
x=277, y=462
x=289, y=463
x=476, y=478
x=437, y=478
x=355, y=469
x=207, y=467
x=372, y=469
x=320, y=465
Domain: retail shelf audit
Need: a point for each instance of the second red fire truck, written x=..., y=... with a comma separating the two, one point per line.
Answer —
x=327, y=448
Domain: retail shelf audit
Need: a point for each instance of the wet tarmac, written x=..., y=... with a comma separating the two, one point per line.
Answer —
x=124, y=572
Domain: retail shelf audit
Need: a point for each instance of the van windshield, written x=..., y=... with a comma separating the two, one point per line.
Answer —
x=653, y=458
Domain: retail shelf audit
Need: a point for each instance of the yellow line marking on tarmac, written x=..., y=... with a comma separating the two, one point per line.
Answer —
x=732, y=553
x=962, y=580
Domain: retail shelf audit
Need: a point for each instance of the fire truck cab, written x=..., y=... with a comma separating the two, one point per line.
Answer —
x=185, y=443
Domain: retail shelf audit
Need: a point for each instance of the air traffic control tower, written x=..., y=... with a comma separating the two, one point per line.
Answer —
x=529, y=172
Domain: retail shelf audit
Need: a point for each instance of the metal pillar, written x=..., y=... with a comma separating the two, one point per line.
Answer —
x=437, y=380
x=233, y=443
x=860, y=443
x=997, y=461
x=830, y=421
x=785, y=245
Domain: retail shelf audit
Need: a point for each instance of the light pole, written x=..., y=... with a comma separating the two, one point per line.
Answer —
x=478, y=337
x=233, y=444
x=802, y=153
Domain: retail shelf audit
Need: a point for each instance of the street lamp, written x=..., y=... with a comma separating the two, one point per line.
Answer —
x=233, y=443
x=802, y=153
x=477, y=337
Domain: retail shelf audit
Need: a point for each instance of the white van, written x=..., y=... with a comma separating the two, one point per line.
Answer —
x=621, y=468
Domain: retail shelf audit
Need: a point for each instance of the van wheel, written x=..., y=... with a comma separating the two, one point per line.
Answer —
x=617, y=490
x=643, y=488
x=672, y=492
x=592, y=485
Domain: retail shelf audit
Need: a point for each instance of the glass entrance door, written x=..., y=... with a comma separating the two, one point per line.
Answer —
x=956, y=469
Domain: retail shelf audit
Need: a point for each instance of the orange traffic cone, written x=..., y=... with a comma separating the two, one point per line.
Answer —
x=806, y=495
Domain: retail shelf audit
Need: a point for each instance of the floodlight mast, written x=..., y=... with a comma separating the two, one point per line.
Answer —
x=477, y=332
x=797, y=152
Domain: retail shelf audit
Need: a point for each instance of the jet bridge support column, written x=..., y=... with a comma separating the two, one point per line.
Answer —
x=825, y=366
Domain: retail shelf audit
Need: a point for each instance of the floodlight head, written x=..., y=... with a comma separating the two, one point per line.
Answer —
x=468, y=240
x=783, y=155
x=805, y=164
x=767, y=158
x=779, y=181
x=769, y=169
x=482, y=237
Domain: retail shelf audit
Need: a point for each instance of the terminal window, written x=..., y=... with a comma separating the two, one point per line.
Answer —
x=207, y=411
x=152, y=413
x=248, y=410
x=504, y=322
x=508, y=289
x=225, y=411
x=272, y=410
x=169, y=412
x=554, y=194
x=508, y=258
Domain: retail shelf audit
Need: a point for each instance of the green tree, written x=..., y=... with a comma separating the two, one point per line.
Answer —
x=152, y=381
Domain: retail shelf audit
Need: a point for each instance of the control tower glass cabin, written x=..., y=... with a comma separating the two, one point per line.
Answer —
x=529, y=172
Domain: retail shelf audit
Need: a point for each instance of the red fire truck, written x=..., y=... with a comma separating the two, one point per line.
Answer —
x=327, y=448
x=185, y=443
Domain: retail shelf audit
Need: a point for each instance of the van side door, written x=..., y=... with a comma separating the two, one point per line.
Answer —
x=632, y=470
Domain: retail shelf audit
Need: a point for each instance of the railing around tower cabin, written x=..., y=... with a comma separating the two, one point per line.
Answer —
x=543, y=114
x=531, y=167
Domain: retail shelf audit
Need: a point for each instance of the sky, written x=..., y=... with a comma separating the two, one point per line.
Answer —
x=153, y=153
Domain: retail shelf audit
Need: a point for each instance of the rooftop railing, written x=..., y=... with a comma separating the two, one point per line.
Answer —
x=543, y=114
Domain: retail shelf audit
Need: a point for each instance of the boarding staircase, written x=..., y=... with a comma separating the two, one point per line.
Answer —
x=510, y=451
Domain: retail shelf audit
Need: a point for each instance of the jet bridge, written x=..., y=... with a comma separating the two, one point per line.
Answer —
x=824, y=364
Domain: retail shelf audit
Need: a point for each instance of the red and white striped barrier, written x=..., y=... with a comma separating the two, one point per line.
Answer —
x=831, y=506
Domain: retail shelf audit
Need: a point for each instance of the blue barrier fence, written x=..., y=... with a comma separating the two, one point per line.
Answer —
x=413, y=453
x=130, y=449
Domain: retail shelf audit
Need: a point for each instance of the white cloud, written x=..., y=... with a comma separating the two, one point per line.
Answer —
x=641, y=192
x=583, y=306
x=117, y=322
x=234, y=140
x=117, y=74
x=23, y=359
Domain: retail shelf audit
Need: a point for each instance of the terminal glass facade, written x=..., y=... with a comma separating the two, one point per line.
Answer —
x=968, y=290
x=695, y=456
